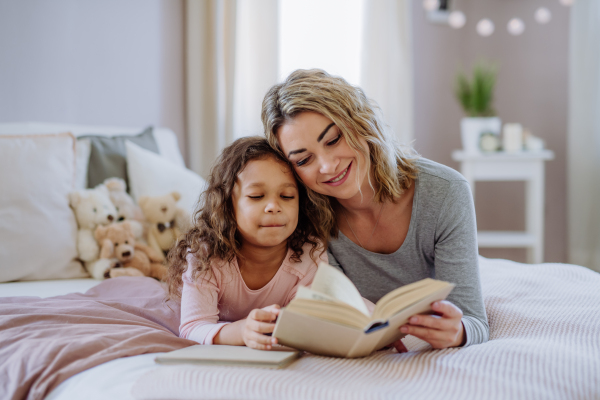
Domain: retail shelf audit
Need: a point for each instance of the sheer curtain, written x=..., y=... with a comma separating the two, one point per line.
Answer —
x=584, y=135
x=386, y=72
x=231, y=61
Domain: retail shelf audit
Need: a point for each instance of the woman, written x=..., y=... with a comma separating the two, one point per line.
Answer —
x=394, y=218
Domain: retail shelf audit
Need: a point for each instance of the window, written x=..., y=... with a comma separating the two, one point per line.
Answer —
x=322, y=34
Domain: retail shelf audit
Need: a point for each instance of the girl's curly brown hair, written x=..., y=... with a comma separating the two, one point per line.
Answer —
x=214, y=233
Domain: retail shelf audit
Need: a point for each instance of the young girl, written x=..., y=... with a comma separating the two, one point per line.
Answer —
x=254, y=241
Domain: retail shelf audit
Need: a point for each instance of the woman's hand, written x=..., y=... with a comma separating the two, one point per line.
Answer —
x=259, y=322
x=440, y=331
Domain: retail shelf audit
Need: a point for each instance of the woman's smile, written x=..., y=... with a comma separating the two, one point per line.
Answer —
x=340, y=178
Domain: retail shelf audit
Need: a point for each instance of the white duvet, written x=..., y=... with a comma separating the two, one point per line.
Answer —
x=544, y=343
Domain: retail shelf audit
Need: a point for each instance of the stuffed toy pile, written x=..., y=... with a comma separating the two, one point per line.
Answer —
x=113, y=230
x=135, y=259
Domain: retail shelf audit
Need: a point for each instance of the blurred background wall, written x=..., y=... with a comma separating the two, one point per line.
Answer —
x=123, y=63
x=532, y=89
x=108, y=62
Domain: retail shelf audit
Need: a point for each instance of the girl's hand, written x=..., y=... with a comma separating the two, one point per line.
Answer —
x=440, y=331
x=259, y=322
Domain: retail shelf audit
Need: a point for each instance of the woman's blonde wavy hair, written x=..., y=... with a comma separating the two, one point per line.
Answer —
x=356, y=116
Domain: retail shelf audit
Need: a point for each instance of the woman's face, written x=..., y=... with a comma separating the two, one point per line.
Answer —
x=321, y=156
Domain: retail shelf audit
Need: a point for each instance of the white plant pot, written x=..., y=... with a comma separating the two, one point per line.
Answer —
x=472, y=128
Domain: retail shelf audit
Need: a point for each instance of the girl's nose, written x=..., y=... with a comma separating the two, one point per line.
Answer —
x=273, y=207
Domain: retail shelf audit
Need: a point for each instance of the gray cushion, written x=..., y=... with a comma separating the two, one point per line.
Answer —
x=108, y=156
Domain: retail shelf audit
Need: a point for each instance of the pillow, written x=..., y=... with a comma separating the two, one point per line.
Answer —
x=108, y=155
x=38, y=230
x=153, y=175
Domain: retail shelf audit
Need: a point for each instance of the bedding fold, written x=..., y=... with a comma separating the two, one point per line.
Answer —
x=43, y=342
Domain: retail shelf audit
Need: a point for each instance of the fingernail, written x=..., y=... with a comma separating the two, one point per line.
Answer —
x=404, y=329
x=414, y=320
x=436, y=305
x=268, y=347
x=273, y=340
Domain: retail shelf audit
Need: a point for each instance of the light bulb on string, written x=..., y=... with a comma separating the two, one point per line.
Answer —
x=485, y=27
x=567, y=3
x=542, y=15
x=515, y=26
x=431, y=5
x=457, y=19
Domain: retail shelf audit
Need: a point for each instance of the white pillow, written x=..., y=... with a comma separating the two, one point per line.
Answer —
x=38, y=230
x=153, y=175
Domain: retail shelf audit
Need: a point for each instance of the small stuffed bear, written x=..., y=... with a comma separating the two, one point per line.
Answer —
x=127, y=209
x=166, y=220
x=92, y=208
x=117, y=240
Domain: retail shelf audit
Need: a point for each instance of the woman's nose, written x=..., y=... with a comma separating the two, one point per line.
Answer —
x=328, y=165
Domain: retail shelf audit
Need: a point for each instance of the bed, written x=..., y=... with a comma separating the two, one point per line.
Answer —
x=544, y=344
x=66, y=336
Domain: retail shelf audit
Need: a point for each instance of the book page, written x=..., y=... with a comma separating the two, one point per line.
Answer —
x=333, y=283
x=305, y=293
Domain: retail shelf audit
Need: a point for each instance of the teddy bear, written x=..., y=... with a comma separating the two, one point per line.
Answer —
x=127, y=209
x=117, y=240
x=92, y=208
x=166, y=220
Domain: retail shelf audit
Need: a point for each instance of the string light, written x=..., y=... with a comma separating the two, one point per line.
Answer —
x=431, y=5
x=485, y=27
x=457, y=19
x=542, y=15
x=515, y=26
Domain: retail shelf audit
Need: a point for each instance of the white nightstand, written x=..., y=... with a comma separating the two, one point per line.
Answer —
x=525, y=166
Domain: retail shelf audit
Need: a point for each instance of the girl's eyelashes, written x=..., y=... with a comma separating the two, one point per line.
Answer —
x=282, y=196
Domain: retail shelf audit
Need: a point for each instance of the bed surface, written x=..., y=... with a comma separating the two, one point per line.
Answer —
x=46, y=289
x=544, y=344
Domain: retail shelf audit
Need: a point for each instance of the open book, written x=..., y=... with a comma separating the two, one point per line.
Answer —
x=278, y=357
x=332, y=319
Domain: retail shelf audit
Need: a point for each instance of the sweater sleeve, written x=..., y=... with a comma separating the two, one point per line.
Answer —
x=456, y=259
x=199, y=306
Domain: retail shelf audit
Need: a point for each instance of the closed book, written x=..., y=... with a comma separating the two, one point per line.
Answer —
x=278, y=357
x=331, y=318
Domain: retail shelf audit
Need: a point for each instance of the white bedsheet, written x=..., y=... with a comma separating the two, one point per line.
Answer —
x=115, y=379
x=110, y=381
x=45, y=289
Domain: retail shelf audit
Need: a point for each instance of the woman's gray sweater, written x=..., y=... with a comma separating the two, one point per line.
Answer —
x=441, y=243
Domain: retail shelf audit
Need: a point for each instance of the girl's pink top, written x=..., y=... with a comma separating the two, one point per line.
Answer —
x=208, y=304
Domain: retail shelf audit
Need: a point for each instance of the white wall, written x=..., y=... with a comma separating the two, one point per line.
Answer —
x=106, y=62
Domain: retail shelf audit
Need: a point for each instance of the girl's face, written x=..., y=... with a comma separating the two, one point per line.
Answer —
x=321, y=156
x=266, y=204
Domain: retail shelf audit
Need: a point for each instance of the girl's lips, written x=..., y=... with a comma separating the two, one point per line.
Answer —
x=338, y=183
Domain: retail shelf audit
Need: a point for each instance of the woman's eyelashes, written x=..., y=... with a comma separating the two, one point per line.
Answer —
x=332, y=142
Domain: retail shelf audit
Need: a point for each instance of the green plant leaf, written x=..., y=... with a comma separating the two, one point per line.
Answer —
x=476, y=96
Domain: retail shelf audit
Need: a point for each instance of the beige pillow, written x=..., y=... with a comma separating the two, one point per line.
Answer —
x=153, y=175
x=38, y=230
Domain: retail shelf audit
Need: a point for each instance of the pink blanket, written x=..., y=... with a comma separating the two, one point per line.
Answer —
x=45, y=341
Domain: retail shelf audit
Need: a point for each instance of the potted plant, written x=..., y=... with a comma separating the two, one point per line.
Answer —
x=476, y=96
